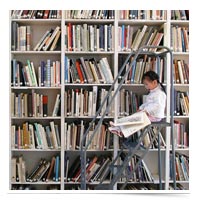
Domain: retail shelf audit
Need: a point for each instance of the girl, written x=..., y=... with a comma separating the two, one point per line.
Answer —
x=155, y=100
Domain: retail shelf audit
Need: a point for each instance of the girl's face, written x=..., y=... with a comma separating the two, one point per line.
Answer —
x=149, y=84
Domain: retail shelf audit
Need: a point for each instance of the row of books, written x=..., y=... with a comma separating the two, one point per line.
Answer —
x=34, y=187
x=48, y=74
x=143, y=14
x=142, y=65
x=44, y=171
x=87, y=70
x=180, y=14
x=89, y=14
x=132, y=39
x=179, y=39
x=96, y=169
x=33, y=105
x=74, y=133
x=147, y=140
x=49, y=41
x=181, y=72
x=21, y=37
x=84, y=102
x=141, y=174
x=182, y=167
x=181, y=103
x=88, y=37
x=36, y=14
x=128, y=102
x=151, y=187
x=181, y=137
x=35, y=136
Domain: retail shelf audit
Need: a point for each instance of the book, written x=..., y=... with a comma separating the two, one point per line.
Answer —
x=33, y=105
x=24, y=74
x=84, y=102
x=56, y=106
x=35, y=136
x=180, y=39
x=88, y=71
x=143, y=14
x=74, y=134
x=88, y=37
x=142, y=65
x=133, y=126
x=182, y=167
x=181, y=106
x=36, y=14
x=133, y=40
x=95, y=168
x=180, y=14
x=48, y=39
x=89, y=14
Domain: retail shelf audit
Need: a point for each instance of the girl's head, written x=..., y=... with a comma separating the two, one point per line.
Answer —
x=151, y=80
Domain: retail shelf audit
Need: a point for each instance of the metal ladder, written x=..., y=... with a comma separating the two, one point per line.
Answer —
x=132, y=149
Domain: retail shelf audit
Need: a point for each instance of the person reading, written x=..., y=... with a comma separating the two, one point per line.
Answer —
x=153, y=110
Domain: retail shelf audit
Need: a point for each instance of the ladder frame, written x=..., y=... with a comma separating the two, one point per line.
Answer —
x=145, y=50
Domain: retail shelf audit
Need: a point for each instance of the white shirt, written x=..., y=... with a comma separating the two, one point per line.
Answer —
x=155, y=104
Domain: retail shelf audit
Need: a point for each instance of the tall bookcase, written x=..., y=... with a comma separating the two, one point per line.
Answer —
x=113, y=55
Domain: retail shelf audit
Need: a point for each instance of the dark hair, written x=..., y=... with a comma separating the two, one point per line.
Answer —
x=153, y=76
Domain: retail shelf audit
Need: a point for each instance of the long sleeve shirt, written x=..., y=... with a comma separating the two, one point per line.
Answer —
x=155, y=104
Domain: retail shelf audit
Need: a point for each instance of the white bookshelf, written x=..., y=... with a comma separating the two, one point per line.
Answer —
x=39, y=26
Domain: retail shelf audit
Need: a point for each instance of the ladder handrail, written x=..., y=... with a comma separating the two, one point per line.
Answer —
x=100, y=120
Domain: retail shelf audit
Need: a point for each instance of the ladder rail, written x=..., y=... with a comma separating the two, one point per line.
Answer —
x=136, y=54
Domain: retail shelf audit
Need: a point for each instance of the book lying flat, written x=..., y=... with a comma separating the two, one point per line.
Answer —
x=136, y=118
x=129, y=125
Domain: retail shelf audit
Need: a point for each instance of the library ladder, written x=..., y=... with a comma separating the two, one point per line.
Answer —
x=129, y=149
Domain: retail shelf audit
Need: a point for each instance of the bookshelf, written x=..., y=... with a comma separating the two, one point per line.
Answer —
x=113, y=54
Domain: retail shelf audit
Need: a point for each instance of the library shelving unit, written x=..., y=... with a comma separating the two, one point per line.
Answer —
x=183, y=87
x=68, y=157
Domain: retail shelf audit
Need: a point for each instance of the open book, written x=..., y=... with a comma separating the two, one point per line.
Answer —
x=130, y=125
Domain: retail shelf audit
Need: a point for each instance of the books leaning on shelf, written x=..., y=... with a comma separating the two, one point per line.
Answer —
x=129, y=125
x=131, y=39
x=84, y=102
x=141, y=174
x=96, y=169
x=179, y=14
x=181, y=139
x=179, y=38
x=182, y=167
x=141, y=66
x=143, y=14
x=35, y=136
x=31, y=187
x=46, y=75
x=181, y=103
x=36, y=14
x=21, y=37
x=88, y=71
x=45, y=171
x=74, y=133
x=89, y=14
x=49, y=41
x=33, y=105
x=181, y=72
x=87, y=37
